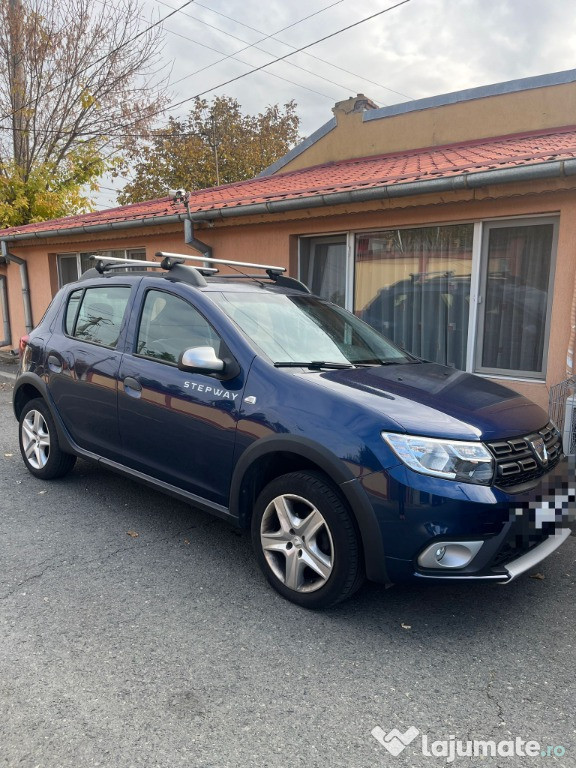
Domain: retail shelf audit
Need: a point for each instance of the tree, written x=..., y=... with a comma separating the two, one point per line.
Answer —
x=75, y=76
x=214, y=145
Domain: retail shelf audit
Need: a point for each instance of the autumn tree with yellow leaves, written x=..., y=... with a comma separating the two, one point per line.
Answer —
x=215, y=144
x=77, y=77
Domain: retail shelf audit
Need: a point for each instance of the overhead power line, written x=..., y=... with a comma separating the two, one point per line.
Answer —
x=124, y=134
x=273, y=36
x=104, y=57
x=283, y=58
x=252, y=45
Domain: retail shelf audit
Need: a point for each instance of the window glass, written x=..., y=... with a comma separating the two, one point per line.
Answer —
x=72, y=265
x=305, y=329
x=169, y=325
x=100, y=316
x=323, y=267
x=71, y=311
x=86, y=260
x=67, y=268
x=413, y=286
x=86, y=263
x=516, y=277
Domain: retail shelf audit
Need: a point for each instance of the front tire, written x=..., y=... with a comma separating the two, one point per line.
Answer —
x=306, y=541
x=39, y=444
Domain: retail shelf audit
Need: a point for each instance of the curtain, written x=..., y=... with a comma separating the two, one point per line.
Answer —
x=323, y=268
x=414, y=287
x=517, y=275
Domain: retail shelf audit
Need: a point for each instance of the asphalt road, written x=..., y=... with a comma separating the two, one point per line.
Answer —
x=136, y=631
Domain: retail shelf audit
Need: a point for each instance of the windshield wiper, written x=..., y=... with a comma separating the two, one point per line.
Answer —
x=311, y=364
x=393, y=361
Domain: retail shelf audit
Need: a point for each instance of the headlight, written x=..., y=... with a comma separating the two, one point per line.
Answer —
x=450, y=459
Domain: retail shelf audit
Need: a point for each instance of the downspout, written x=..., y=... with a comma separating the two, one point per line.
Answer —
x=7, y=340
x=570, y=369
x=203, y=248
x=24, y=281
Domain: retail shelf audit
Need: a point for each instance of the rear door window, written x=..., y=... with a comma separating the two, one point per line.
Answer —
x=98, y=318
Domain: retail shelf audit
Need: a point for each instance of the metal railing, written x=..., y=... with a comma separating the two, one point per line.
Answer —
x=562, y=410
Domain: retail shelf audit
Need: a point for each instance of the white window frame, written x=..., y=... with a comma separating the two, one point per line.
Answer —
x=129, y=253
x=479, y=255
x=347, y=239
x=487, y=227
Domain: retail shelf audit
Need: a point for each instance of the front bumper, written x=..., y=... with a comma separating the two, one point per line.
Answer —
x=514, y=568
x=515, y=531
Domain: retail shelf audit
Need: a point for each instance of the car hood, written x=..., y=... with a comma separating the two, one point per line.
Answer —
x=434, y=400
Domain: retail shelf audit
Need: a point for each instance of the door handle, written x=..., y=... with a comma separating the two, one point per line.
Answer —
x=54, y=364
x=132, y=386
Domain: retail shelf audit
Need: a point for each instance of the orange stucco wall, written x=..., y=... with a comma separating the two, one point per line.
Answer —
x=272, y=239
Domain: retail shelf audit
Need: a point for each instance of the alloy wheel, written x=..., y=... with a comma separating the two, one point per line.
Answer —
x=297, y=543
x=35, y=439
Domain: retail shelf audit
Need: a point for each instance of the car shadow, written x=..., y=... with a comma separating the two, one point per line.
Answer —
x=442, y=613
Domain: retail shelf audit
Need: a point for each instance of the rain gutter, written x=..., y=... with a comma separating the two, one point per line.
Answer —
x=463, y=181
x=190, y=239
x=91, y=229
x=570, y=362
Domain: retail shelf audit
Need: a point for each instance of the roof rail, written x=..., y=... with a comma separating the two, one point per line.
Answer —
x=103, y=264
x=195, y=274
x=265, y=267
x=192, y=275
x=275, y=273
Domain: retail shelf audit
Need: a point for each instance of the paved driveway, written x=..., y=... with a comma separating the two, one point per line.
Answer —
x=136, y=631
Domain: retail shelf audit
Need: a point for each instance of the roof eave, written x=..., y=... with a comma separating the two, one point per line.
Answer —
x=94, y=228
x=467, y=180
x=533, y=172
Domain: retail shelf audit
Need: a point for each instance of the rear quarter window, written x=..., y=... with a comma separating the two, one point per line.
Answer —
x=95, y=315
x=72, y=311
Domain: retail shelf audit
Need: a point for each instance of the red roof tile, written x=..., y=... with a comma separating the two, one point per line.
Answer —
x=347, y=175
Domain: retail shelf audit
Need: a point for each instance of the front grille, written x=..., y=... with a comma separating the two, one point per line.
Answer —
x=517, y=461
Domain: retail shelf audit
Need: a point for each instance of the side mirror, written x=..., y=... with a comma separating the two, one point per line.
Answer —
x=201, y=360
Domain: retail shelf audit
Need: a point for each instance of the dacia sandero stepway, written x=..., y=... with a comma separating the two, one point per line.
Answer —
x=256, y=401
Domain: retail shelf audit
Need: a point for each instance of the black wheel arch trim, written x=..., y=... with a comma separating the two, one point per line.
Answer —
x=339, y=473
x=39, y=384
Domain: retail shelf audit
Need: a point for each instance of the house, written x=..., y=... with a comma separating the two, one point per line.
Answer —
x=449, y=223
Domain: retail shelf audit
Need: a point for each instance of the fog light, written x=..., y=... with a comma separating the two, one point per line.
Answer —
x=449, y=554
x=439, y=554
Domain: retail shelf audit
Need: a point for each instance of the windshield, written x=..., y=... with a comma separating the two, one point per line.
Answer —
x=305, y=329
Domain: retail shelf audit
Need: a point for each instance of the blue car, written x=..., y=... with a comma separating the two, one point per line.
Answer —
x=254, y=400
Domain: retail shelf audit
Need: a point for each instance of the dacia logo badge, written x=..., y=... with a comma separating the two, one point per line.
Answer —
x=539, y=448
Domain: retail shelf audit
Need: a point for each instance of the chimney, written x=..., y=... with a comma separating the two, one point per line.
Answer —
x=358, y=103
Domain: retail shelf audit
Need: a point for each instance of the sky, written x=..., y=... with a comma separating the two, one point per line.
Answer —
x=418, y=49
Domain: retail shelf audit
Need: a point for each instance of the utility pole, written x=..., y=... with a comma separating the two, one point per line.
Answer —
x=17, y=79
x=215, y=147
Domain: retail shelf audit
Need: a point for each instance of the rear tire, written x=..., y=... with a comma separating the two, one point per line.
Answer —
x=39, y=444
x=306, y=541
